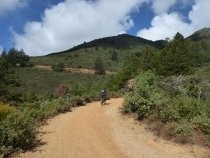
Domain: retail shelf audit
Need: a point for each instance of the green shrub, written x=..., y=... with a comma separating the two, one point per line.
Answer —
x=145, y=97
x=58, y=67
x=18, y=129
x=183, y=132
x=50, y=108
x=169, y=113
x=189, y=107
x=130, y=105
x=77, y=90
x=181, y=113
x=202, y=123
x=168, y=130
x=6, y=109
x=181, y=107
x=77, y=101
x=17, y=132
x=47, y=96
x=29, y=96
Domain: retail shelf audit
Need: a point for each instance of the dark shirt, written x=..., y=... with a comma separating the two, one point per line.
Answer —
x=103, y=94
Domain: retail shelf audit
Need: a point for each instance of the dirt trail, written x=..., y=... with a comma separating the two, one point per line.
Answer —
x=95, y=131
x=75, y=70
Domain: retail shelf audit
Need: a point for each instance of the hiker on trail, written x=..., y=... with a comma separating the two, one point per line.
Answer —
x=103, y=96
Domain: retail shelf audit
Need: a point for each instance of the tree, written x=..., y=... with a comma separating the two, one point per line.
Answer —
x=129, y=70
x=8, y=81
x=23, y=59
x=15, y=57
x=148, y=58
x=114, y=56
x=175, y=58
x=99, y=67
x=198, y=56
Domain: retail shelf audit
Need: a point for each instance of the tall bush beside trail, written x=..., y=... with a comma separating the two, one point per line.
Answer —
x=145, y=97
x=202, y=122
x=129, y=71
x=189, y=107
x=180, y=108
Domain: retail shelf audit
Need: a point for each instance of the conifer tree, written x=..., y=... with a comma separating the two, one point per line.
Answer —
x=175, y=58
x=99, y=67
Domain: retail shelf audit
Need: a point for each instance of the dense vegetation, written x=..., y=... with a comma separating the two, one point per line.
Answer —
x=40, y=99
x=170, y=88
x=29, y=96
x=171, y=95
x=176, y=107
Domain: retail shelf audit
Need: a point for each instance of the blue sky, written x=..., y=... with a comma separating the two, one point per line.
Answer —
x=42, y=27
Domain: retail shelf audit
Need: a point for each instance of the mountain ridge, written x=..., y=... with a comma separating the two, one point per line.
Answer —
x=125, y=41
x=202, y=34
x=122, y=41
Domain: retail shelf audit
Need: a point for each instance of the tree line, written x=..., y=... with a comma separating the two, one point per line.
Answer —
x=179, y=56
x=8, y=79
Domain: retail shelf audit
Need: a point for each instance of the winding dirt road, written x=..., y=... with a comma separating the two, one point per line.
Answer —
x=95, y=131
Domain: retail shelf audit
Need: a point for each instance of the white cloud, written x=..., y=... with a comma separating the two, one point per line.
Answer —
x=162, y=6
x=10, y=5
x=74, y=21
x=167, y=24
x=199, y=15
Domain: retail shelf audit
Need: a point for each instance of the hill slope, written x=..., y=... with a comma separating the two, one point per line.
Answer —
x=203, y=34
x=84, y=55
x=123, y=41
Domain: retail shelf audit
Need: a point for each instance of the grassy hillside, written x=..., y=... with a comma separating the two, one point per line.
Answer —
x=85, y=54
x=43, y=81
x=203, y=34
x=123, y=41
x=84, y=58
x=202, y=37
